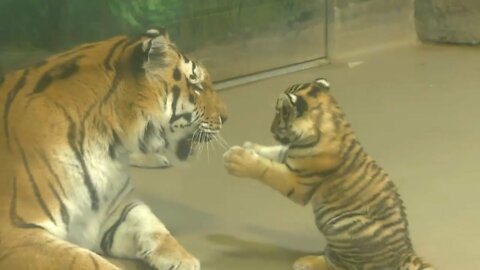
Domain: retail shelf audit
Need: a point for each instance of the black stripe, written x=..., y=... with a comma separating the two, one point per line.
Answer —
x=341, y=184
x=137, y=59
x=116, y=79
x=106, y=62
x=194, y=65
x=111, y=90
x=349, y=168
x=76, y=50
x=183, y=148
x=332, y=172
x=371, y=237
x=148, y=134
x=176, y=74
x=78, y=156
x=33, y=184
x=2, y=79
x=191, y=98
x=315, y=90
x=176, y=95
x=82, y=127
x=186, y=116
x=287, y=91
x=164, y=136
x=290, y=192
x=109, y=236
x=44, y=158
x=381, y=208
x=350, y=199
x=322, y=212
x=15, y=219
x=63, y=209
x=119, y=194
x=11, y=96
x=58, y=72
x=306, y=144
x=112, y=146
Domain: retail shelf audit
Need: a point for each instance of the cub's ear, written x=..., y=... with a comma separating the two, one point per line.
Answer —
x=322, y=83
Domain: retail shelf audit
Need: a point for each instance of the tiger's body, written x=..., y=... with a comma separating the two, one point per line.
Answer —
x=67, y=129
x=356, y=205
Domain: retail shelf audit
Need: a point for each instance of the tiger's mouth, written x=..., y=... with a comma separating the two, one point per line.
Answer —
x=203, y=135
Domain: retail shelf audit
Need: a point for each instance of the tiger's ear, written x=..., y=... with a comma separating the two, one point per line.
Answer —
x=155, y=47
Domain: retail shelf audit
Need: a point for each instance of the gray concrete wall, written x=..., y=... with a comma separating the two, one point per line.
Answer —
x=359, y=26
x=448, y=21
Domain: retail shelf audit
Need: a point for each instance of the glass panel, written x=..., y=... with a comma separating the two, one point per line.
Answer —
x=231, y=37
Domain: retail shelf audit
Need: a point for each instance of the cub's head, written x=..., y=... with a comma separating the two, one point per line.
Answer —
x=304, y=113
x=177, y=101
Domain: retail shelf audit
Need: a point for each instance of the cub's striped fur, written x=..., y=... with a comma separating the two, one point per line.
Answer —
x=356, y=205
x=67, y=128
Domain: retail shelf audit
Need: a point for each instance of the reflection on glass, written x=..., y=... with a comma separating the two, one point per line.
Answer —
x=231, y=37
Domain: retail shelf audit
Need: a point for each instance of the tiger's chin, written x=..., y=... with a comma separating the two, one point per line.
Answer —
x=188, y=145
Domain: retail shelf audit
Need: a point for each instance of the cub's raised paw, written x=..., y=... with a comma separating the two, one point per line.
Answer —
x=241, y=162
x=312, y=263
x=249, y=145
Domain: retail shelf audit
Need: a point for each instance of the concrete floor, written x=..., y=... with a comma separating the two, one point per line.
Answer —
x=415, y=109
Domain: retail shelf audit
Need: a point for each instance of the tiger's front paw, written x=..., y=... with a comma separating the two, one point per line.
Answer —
x=150, y=161
x=171, y=255
x=243, y=162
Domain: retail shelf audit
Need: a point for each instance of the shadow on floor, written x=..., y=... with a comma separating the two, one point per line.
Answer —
x=178, y=217
x=248, y=253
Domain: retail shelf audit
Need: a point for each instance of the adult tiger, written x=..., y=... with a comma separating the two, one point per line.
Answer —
x=67, y=127
x=356, y=206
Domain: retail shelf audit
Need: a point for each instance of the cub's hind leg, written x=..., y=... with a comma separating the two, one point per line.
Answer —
x=133, y=231
x=312, y=263
x=413, y=262
x=36, y=249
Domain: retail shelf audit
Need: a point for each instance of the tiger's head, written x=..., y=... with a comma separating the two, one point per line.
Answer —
x=303, y=114
x=177, y=103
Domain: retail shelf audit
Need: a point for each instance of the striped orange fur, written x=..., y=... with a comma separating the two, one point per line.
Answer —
x=68, y=126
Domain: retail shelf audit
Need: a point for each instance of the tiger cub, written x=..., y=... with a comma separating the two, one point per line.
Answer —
x=356, y=205
x=68, y=127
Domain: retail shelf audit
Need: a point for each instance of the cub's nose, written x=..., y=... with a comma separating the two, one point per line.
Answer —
x=223, y=118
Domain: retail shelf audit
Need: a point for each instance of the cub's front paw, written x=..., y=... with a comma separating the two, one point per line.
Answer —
x=312, y=263
x=171, y=255
x=249, y=145
x=242, y=162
